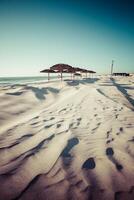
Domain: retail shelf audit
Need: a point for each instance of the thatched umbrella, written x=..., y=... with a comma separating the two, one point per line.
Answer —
x=84, y=71
x=62, y=68
x=72, y=71
x=79, y=69
x=92, y=72
x=48, y=71
x=77, y=74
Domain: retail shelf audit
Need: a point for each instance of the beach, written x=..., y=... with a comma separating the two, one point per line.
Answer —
x=67, y=140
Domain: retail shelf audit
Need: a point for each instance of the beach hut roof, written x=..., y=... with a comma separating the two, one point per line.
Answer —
x=93, y=72
x=84, y=70
x=71, y=70
x=61, y=67
x=47, y=71
x=78, y=69
x=77, y=74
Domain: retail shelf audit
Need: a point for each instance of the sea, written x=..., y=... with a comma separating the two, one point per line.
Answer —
x=23, y=80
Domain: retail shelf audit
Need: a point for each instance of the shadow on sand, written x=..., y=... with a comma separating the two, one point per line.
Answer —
x=38, y=92
x=71, y=143
x=83, y=81
x=123, y=90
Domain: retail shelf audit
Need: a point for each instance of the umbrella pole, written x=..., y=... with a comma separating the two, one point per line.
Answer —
x=61, y=76
x=48, y=76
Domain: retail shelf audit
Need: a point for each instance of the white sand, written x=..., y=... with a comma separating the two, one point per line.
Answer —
x=68, y=140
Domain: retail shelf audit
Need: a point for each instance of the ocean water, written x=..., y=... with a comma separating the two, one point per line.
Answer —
x=23, y=80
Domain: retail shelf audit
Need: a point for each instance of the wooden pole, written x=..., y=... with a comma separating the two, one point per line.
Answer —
x=61, y=75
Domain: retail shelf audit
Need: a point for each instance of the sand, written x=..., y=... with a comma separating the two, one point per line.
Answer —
x=69, y=140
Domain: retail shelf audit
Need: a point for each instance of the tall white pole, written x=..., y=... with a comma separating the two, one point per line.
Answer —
x=112, y=67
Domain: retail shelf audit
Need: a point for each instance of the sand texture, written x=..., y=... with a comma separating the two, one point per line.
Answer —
x=69, y=140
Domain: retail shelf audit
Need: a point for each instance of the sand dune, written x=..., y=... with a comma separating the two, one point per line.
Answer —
x=68, y=140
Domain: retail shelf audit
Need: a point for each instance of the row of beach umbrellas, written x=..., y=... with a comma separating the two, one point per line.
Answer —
x=65, y=68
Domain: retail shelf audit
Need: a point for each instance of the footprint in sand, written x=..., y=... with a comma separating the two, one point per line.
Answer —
x=34, y=123
x=63, y=110
x=48, y=126
x=36, y=117
x=116, y=116
x=71, y=125
x=58, y=125
x=52, y=118
x=121, y=109
x=121, y=129
x=108, y=141
x=79, y=119
x=97, y=126
x=89, y=164
x=74, y=125
x=108, y=133
x=44, y=120
x=110, y=153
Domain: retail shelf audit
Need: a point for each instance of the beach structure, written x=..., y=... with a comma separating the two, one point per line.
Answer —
x=59, y=68
x=121, y=74
x=62, y=68
x=85, y=71
x=79, y=69
x=112, y=66
x=77, y=74
x=92, y=72
x=65, y=68
x=48, y=71
x=72, y=71
x=82, y=70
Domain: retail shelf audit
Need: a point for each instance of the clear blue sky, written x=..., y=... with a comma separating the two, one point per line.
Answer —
x=36, y=34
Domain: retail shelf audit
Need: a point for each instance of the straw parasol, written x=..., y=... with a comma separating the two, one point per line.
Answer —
x=77, y=74
x=79, y=69
x=93, y=72
x=48, y=71
x=61, y=68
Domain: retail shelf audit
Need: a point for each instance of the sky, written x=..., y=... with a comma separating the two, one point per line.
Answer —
x=36, y=34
